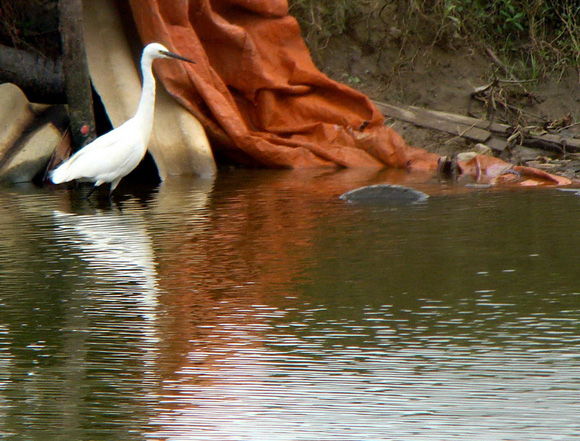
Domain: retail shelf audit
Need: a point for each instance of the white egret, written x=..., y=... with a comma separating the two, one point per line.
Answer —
x=114, y=155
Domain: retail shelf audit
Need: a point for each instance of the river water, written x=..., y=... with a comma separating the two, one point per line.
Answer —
x=259, y=306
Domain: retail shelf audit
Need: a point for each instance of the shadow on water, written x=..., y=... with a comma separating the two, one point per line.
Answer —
x=260, y=306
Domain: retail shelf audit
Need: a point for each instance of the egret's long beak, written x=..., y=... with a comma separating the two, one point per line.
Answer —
x=178, y=57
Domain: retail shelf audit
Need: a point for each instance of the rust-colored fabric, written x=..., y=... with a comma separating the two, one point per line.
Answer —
x=260, y=97
x=258, y=93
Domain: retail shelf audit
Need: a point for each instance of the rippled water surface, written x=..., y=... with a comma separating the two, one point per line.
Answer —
x=259, y=306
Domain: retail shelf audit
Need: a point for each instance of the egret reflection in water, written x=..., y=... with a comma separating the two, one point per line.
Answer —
x=116, y=246
x=116, y=299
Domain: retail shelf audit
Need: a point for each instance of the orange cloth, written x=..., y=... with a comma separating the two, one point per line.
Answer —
x=258, y=94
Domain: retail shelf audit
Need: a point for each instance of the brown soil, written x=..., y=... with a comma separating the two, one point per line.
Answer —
x=443, y=78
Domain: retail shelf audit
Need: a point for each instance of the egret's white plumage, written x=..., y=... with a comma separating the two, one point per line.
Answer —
x=114, y=155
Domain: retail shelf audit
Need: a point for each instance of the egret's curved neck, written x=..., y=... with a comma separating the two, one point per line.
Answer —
x=147, y=102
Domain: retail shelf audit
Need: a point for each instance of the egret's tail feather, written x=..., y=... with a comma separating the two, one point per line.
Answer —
x=60, y=174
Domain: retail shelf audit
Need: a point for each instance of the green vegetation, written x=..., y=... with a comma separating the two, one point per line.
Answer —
x=535, y=36
x=323, y=19
x=548, y=31
x=539, y=35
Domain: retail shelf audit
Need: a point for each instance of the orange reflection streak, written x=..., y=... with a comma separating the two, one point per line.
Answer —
x=245, y=252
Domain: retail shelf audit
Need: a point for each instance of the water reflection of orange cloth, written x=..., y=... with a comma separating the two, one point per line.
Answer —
x=259, y=95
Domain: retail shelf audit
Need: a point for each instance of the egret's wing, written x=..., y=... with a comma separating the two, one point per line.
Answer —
x=106, y=156
x=118, y=164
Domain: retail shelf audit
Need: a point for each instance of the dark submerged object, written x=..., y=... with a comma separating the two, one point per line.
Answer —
x=385, y=193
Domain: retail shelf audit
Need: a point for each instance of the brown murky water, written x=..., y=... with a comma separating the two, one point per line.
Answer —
x=259, y=306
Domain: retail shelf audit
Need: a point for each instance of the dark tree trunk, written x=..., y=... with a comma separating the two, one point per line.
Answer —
x=76, y=73
x=41, y=79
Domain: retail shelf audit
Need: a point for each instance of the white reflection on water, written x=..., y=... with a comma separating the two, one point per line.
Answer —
x=322, y=385
x=116, y=246
x=120, y=282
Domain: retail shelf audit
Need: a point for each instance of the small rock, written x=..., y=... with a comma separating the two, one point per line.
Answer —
x=466, y=156
x=478, y=149
x=482, y=149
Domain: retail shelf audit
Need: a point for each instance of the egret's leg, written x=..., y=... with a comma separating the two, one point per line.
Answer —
x=113, y=186
x=91, y=192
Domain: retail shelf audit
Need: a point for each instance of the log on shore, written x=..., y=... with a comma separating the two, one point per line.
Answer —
x=495, y=135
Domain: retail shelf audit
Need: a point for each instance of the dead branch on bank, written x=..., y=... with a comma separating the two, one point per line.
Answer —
x=496, y=135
